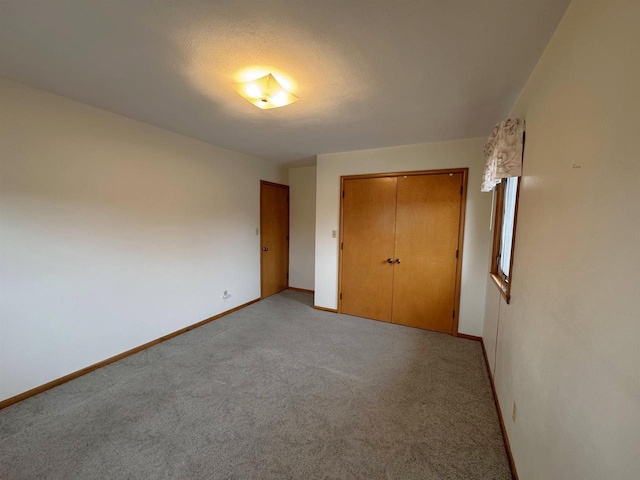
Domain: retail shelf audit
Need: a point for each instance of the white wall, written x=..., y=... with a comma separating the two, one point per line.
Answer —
x=302, y=228
x=568, y=344
x=427, y=156
x=114, y=233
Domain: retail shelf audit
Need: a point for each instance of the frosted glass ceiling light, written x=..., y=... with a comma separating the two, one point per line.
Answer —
x=265, y=92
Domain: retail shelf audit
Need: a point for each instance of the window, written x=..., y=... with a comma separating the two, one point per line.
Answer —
x=504, y=229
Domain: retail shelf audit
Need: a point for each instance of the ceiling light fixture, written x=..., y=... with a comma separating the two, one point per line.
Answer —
x=265, y=92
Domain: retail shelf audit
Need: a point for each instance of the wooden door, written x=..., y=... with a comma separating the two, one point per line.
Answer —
x=426, y=243
x=274, y=238
x=368, y=232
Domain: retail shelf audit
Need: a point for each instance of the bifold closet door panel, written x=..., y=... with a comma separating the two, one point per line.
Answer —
x=368, y=237
x=427, y=228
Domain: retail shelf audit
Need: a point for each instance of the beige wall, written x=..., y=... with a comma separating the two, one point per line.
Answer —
x=427, y=156
x=114, y=233
x=568, y=345
x=302, y=209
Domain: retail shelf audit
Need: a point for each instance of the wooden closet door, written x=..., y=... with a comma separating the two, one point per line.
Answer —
x=427, y=228
x=368, y=233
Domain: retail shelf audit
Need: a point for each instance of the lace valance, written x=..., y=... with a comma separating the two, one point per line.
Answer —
x=503, y=153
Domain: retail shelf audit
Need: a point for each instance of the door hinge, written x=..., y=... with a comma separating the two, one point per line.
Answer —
x=287, y=276
x=454, y=314
x=340, y=296
x=342, y=246
x=457, y=253
x=460, y=189
x=342, y=193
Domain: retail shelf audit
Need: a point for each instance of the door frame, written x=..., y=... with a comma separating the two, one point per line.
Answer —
x=273, y=184
x=463, y=208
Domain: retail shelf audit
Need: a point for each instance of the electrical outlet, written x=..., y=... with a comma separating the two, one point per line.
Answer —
x=513, y=413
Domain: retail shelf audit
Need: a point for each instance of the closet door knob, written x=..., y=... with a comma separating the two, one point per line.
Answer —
x=389, y=260
x=265, y=249
x=398, y=261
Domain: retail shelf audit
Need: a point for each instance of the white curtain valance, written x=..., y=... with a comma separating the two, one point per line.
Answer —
x=503, y=153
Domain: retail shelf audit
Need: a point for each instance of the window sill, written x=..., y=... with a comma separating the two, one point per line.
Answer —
x=502, y=286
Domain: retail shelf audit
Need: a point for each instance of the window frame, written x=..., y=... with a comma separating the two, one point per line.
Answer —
x=502, y=281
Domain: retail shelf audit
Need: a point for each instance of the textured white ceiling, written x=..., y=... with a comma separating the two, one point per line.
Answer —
x=369, y=73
